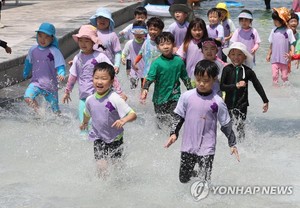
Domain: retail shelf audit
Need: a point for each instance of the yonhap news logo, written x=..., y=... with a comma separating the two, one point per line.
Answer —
x=201, y=189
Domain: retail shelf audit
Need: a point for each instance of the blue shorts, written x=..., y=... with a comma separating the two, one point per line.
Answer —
x=33, y=91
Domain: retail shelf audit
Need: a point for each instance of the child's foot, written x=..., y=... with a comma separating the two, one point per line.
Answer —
x=286, y=84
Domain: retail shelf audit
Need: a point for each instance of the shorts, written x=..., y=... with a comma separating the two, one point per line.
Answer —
x=104, y=150
x=33, y=91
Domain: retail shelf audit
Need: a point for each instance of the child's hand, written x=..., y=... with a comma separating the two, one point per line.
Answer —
x=66, y=98
x=135, y=67
x=8, y=50
x=143, y=96
x=234, y=151
x=118, y=123
x=288, y=57
x=70, y=63
x=240, y=84
x=253, y=50
x=116, y=69
x=268, y=58
x=83, y=126
x=123, y=96
x=123, y=61
x=60, y=78
x=171, y=140
x=265, y=107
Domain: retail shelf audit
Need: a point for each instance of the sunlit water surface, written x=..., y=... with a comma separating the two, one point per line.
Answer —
x=45, y=162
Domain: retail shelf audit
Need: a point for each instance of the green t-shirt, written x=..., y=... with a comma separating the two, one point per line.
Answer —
x=166, y=74
x=297, y=43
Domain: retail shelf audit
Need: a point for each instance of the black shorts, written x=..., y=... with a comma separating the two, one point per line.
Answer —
x=104, y=150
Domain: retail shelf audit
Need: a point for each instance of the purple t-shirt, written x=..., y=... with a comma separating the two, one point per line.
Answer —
x=179, y=32
x=111, y=42
x=83, y=67
x=201, y=114
x=104, y=111
x=44, y=63
x=192, y=56
x=281, y=40
x=216, y=32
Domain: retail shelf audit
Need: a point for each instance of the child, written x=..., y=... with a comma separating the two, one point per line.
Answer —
x=227, y=24
x=131, y=49
x=83, y=67
x=149, y=51
x=4, y=45
x=247, y=34
x=140, y=14
x=182, y=15
x=200, y=109
x=234, y=82
x=103, y=21
x=166, y=71
x=293, y=24
x=281, y=42
x=209, y=48
x=189, y=50
x=109, y=114
x=47, y=65
x=215, y=29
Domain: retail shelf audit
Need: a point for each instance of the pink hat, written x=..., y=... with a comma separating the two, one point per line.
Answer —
x=87, y=31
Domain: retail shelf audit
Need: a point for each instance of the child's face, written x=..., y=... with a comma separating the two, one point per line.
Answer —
x=153, y=32
x=85, y=45
x=204, y=83
x=213, y=18
x=43, y=39
x=237, y=57
x=209, y=51
x=102, y=82
x=180, y=16
x=140, y=17
x=197, y=33
x=102, y=23
x=166, y=48
x=223, y=14
x=139, y=37
x=245, y=23
x=293, y=23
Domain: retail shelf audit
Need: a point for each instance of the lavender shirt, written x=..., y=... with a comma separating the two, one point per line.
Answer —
x=44, y=63
x=104, y=111
x=179, y=32
x=201, y=114
x=228, y=29
x=111, y=42
x=192, y=56
x=281, y=39
x=216, y=32
x=83, y=68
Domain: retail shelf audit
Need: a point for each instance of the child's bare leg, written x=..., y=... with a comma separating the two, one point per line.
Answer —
x=32, y=103
x=102, y=168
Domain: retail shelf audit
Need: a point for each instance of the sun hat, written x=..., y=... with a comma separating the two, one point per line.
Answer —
x=139, y=30
x=242, y=47
x=181, y=8
x=102, y=12
x=283, y=13
x=223, y=6
x=87, y=31
x=49, y=29
x=245, y=15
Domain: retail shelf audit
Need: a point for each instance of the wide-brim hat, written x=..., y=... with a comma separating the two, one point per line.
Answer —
x=181, y=8
x=223, y=6
x=49, y=29
x=242, y=47
x=102, y=12
x=283, y=13
x=87, y=31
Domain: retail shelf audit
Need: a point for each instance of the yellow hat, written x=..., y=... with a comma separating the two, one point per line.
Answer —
x=283, y=13
x=223, y=6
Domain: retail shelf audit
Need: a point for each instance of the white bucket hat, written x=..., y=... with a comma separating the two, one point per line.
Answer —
x=240, y=46
x=103, y=12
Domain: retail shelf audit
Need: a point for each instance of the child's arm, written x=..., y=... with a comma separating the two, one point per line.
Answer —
x=227, y=130
x=185, y=78
x=61, y=72
x=85, y=122
x=131, y=116
x=117, y=61
x=27, y=68
x=269, y=53
x=255, y=47
x=177, y=123
x=145, y=90
x=118, y=89
x=69, y=87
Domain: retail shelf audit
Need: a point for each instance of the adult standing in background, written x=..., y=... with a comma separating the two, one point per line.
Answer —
x=268, y=4
x=296, y=5
x=1, y=2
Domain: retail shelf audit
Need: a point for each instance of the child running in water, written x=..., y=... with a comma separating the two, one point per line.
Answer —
x=109, y=114
x=293, y=24
x=234, y=82
x=189, y=50
x=103, y=21
x=247, y=34
x=182, y=15
x=200, y=109
x=131, y=49
x=166, y=71
x=47, y=65
x=83, y=67
x=281, y=43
